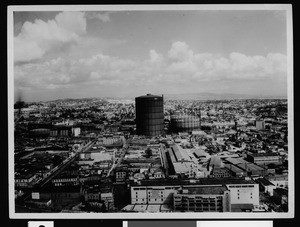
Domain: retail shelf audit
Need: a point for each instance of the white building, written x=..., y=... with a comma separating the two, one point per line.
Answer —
x=76, y=132
x=242, y=193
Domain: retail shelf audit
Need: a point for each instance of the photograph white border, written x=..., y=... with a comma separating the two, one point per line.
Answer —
x=175, y=215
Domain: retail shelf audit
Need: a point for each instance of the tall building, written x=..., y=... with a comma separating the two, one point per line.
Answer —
x=149, y=115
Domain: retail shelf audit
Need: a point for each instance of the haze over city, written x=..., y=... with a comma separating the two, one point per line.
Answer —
x=129, y=53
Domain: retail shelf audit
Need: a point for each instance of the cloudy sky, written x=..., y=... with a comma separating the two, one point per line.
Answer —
x=130, y=53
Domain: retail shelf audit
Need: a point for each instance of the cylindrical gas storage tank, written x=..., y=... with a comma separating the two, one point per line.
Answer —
x=149, y=111
x=184, y=123
x=40, y=132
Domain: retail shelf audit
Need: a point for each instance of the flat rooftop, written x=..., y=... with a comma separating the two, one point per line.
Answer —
x=215, y=190
x=204, y=181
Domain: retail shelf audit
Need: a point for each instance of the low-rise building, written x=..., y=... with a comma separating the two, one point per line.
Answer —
x=280, y=181
x=66, y=180
x=266, y=186
x=220, y=172
x=25, y=181
x=108, y=199
x=202, y=199
x=264, y=158
x=241, y=191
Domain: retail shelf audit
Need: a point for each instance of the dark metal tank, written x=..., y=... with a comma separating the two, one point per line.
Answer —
x=149, y=115
x=184, y=123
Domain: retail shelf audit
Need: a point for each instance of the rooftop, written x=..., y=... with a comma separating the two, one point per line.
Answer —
x=241, y=207
x=219, y=190
x=148, y=96
x=264, y=181
x=204, y=181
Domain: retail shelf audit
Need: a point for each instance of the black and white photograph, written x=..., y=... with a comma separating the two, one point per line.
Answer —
x=151, y=111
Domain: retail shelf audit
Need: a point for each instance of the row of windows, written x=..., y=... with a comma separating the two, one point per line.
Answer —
x=239, y=192
x=184, y=200
x=199, y=209
x=241, y=186
x=64, y=180
x=150, y=200
x=139, y=188
x=250, y=197
x=61, y=195
x=155, y=190
x=23, y=180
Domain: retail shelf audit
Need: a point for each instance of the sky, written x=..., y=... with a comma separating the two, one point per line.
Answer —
x=131, y=53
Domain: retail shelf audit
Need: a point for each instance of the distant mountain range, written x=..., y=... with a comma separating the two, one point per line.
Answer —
x=214, y=96
x=188, y=96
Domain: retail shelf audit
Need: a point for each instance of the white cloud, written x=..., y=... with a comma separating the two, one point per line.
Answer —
x=40, y=37
x=180, y=51
x=155, y=57
x=179, y=67
x=26, y=50
x=73, y=22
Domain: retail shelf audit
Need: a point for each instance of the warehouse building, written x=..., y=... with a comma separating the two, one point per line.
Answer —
x=264, y=158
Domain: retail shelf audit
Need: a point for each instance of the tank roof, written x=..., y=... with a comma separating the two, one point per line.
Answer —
x=149, y=96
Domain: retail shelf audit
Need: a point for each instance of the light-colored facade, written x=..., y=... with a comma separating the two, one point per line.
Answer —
x=76, y=131
x=203, y=199
x=260, y=124
x=244, y=193
x=152, y=194
x=25, y=181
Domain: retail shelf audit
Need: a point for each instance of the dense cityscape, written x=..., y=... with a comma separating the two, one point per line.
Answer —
x=151, y=154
